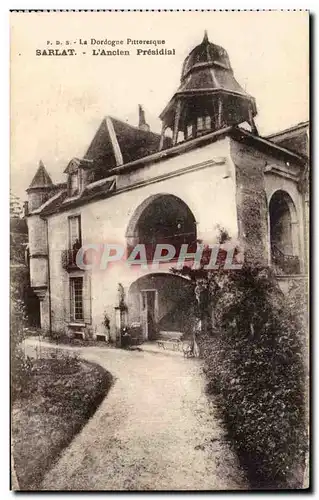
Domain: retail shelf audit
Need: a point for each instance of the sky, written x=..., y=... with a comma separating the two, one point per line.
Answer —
x=57, y=103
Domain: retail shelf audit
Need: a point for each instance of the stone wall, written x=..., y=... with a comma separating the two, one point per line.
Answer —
x=208, y=190
x=252, y=209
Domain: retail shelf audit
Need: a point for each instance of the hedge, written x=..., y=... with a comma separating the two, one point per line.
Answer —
x=255, y=365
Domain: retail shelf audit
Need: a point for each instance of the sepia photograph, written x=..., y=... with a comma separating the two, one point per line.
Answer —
x=159, y=251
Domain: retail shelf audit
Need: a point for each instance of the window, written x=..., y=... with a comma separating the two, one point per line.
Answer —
x=76, y=299
x=75, y=232
x=74, y=184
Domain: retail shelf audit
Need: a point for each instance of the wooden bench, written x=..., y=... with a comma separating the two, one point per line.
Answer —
x=170, y=344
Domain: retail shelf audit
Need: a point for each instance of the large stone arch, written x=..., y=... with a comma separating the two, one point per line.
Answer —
x=162, y=218
x=284, y=232
x=161, y=305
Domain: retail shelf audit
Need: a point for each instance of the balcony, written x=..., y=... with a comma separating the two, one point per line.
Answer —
x=287, y=264
x=175, y=240
x=68, y=260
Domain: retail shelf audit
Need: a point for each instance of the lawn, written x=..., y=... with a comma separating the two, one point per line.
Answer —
x=62, y=394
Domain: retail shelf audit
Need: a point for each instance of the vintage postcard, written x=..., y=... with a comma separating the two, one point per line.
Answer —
x=159, y=230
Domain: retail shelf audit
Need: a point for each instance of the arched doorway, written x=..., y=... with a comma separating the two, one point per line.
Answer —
x=284, y=238
x=162, y=218
x=161, y=305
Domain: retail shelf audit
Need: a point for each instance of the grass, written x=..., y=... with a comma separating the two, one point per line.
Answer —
x=63, y=393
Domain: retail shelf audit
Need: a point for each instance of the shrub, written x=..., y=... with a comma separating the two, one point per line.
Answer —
x=254, y=364
x=21, y=365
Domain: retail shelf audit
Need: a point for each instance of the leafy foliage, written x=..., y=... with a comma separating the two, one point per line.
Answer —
x=18, y=231
x=252, y=343
x=21, y=365
x=16, y=210
x=23, y=304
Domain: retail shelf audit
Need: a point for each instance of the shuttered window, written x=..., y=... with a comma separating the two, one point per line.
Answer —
x=76, y=299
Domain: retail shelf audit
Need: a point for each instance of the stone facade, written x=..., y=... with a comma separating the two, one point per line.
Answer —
x=225, y=177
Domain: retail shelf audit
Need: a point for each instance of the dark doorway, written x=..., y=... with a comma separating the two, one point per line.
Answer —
x=148, y=314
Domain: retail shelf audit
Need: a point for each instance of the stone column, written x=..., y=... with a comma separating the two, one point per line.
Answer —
x=120, y=323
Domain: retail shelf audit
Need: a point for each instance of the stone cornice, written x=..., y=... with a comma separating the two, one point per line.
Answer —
x=184, y=170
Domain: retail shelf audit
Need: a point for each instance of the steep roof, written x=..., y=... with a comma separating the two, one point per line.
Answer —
x=107, y=186
x=41, y=179
x=294, y=138
x=116, y=143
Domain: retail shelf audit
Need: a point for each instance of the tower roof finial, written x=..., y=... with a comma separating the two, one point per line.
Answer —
x=205, y=39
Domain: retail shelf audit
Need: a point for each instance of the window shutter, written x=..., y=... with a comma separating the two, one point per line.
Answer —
x=87, y=299
x=67, y=305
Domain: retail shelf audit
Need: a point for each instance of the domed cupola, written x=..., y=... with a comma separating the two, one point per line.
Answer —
x=209, y=98
x=205, y=55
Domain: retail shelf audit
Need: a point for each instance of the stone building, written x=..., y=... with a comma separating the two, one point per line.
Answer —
x=134, y=186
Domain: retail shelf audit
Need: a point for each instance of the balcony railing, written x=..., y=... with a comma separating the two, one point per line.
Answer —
x=68, y=259
x=288, y=264
x=176, y=240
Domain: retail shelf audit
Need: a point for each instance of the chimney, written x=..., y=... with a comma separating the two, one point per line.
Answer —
x=142, y=125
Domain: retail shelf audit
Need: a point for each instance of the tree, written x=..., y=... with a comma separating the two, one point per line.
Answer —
x=19, y=293
x=16, y=206
x=18, y=232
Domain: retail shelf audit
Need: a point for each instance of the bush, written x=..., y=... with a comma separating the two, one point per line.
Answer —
x=255, y=366
x=21, y=365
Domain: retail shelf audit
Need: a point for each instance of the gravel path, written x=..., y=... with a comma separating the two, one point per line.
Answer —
x=155, y=430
